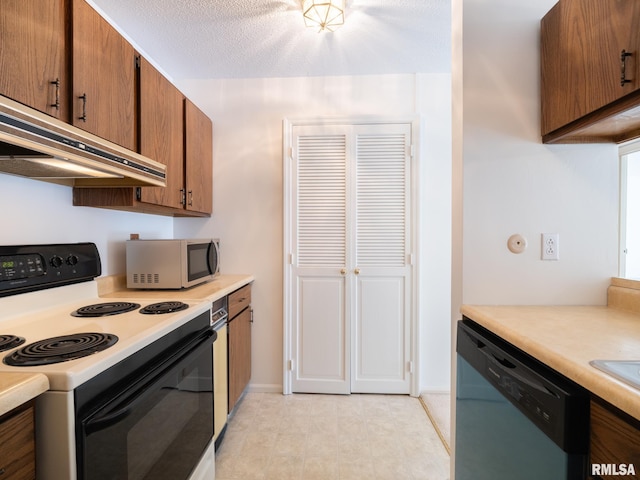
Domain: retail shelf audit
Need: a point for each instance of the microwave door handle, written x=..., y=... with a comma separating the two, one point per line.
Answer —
x=210, y=257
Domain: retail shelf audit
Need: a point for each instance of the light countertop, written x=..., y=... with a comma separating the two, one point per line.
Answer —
x=19, y=388
x=115, y=287
x=566, y=338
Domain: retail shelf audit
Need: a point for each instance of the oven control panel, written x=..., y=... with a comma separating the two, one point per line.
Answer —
x=20, y=266
x=25, y=268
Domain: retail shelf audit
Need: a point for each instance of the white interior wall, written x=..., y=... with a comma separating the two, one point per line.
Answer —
x=515, y=184
x=506, y=181
x=248, y=207
x=38, y=212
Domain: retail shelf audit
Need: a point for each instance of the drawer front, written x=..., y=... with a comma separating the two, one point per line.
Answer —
x=239, y=300
x=17, y=446
x=614, y=440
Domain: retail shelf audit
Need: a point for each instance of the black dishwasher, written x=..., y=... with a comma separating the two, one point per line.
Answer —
x=516, y=419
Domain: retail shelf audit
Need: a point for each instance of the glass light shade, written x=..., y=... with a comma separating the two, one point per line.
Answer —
x=323, y=14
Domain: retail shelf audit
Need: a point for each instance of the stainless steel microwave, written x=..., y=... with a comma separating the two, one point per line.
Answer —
x=171, y=264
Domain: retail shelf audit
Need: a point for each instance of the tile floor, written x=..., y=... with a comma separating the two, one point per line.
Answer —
x=331, y=437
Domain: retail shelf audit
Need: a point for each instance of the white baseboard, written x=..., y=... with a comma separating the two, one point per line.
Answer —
x=435, y=390
x=264, y=388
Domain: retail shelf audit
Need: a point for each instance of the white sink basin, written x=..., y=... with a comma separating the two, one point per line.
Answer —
x=627, y=371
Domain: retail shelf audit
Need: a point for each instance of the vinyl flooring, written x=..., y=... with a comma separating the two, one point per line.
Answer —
x=331, y=437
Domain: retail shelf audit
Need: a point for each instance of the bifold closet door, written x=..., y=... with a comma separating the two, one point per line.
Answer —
x=381, y=307
x=349, y=261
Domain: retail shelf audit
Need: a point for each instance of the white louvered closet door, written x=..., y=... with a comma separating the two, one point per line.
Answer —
x=381, y=308
x=320, y=330
x=349, y=273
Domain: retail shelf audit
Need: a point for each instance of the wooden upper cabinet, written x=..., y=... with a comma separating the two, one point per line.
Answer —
x=162, y=134
x=175, y=132
x=588, y=87
x=32, y=55
x=198, y=160
x=104, y=81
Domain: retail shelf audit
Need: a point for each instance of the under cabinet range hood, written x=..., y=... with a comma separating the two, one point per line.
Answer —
x=41, y=147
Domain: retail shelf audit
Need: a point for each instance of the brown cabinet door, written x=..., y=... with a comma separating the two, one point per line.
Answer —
x=239, y=300
x=239, y=355
x=32, y=55
x=597, y=42
x=161, y=133
x=104, y=83
x=615, y=439
x=198, y=159
x=17, y=444
x=581, y=64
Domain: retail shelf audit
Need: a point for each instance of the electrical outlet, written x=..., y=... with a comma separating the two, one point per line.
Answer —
x=550, y=246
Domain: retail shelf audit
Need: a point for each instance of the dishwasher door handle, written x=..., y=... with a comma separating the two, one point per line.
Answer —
x=513, y=370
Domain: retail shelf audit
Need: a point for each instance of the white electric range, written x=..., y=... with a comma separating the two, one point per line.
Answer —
x=131, y=393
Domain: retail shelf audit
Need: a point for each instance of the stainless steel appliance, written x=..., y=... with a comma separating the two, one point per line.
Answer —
x=171, y=263
x=515, y=417
x=131, y=387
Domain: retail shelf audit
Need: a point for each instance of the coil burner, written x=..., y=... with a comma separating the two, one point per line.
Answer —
x=7, y=342
x=104, y=309
x=60, y=349
x=163, y=307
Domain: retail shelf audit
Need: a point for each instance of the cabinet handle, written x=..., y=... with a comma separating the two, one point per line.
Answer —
x=357, y=271
x=190, y=198
x=183, y=197
x=251, y=320
x=55, y=105
x=83, y=97
x=2, y=471
x=343, y=271
x=623, y=67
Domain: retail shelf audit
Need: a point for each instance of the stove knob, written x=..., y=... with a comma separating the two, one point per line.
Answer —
x=56, y=261
x=72, y=260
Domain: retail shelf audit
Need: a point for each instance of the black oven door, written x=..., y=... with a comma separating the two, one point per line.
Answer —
x=159, y=427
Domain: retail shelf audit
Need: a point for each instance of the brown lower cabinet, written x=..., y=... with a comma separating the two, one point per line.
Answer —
x=17, y=444
x=615, y=442
x=240, y=319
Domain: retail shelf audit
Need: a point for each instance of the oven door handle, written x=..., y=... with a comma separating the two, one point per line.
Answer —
x=131, y=397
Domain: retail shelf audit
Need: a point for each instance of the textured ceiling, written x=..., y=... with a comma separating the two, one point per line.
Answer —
x=267, y=38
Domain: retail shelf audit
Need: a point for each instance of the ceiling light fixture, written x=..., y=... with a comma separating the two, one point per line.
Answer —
x=323, y=14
